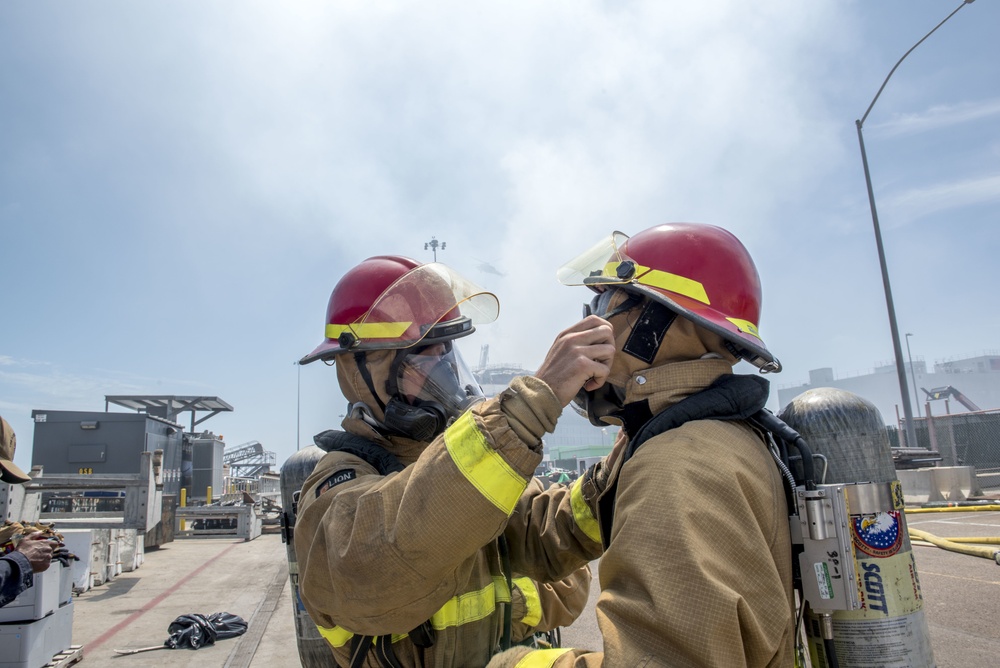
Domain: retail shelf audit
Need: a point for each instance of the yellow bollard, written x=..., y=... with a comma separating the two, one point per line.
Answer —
x=183, y=504
x=208, y=496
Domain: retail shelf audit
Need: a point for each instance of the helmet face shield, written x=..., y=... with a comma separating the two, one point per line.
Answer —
x=429, y=301
x=599, y=265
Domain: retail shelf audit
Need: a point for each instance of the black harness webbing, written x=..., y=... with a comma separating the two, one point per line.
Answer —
x=333, y=440
x=730, y=397
x=509, y=606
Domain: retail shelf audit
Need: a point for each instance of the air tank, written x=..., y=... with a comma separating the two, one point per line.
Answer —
x=890, y=629
x=847, y=430
x=314, y=652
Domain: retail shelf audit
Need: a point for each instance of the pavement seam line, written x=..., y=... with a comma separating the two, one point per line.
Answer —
x=242, y=655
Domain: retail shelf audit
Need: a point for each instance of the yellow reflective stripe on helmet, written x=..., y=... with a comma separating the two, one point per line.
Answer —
x=369, y=330
x=532, y=601
x=541, y=658
x=664, y=280
x=483, y=466
x=582, y=513
x=745, y=326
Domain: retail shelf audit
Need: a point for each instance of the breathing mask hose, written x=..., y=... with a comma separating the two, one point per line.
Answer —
x=776, y=426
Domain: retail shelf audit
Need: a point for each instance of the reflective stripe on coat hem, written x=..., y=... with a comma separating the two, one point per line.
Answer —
x=541, y=658
x=465, y=608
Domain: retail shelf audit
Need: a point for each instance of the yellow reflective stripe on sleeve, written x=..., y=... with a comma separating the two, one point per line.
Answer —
x=581, y=512
x=483, y=466
x=672, y=282
x=541, y=658
x=500, y=587
x=336, y=636
x=471, y=606
x=369, y=330
x=745, y=326
x=532, y=601
x=339, y=636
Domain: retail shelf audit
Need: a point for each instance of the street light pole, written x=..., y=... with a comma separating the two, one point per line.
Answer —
x=298, y=405
x=911, y=432
x=913, y=375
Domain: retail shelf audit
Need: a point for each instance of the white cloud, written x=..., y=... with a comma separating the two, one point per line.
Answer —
x=939, y=116
x=915, y=203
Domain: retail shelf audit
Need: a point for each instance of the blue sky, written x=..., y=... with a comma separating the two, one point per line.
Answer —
x=182, y=183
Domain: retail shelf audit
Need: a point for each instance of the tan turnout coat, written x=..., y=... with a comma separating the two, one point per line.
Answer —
x=382, y=554
x=698, y=572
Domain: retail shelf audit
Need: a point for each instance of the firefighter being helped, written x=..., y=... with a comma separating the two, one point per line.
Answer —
x=697, y=568
x=422, y=537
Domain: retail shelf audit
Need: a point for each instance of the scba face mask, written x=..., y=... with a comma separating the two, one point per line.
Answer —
x=429, y=387
x=640, y=326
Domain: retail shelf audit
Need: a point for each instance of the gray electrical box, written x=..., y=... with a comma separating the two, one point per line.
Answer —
x=86, y=443
x=206, y=459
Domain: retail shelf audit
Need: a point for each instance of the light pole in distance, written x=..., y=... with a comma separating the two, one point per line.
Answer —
x=911, y=432
x=913, y=375
x=433, y=245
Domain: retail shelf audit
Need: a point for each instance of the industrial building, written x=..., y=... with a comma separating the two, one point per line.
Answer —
x=976, y=378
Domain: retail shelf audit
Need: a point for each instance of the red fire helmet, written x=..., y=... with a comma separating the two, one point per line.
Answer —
x=391, y=302
x=701, y=272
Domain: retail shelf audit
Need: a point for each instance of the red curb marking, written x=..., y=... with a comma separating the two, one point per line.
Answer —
x=155, y=602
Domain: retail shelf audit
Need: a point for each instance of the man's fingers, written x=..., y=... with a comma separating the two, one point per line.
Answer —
x=580, y=357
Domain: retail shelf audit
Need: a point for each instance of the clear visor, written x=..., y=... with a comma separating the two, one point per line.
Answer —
x=437, y=373
x=420, y=299
x=598, y=265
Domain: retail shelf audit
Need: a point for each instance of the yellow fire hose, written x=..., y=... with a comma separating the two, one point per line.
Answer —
x=954, y=545
x=951, y=509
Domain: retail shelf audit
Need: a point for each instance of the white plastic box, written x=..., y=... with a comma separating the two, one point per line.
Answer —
x=38, y=600
x=81, y=543
x=65, y=583
x=34, y=644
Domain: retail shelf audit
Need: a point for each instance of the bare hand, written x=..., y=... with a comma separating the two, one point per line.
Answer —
x=38, y=549
x=579, y=358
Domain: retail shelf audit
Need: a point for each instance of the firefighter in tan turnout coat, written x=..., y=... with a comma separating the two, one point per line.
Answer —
x=422, y=537
x=697, y=569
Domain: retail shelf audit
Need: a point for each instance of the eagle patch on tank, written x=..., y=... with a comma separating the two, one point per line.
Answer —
x=877, y=535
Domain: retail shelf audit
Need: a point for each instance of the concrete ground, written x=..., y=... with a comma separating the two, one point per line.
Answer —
x=250, y=580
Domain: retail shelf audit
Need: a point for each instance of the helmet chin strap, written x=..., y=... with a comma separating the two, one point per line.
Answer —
x=361, y=359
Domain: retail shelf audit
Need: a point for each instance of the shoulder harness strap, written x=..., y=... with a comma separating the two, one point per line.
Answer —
x=333, y=440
